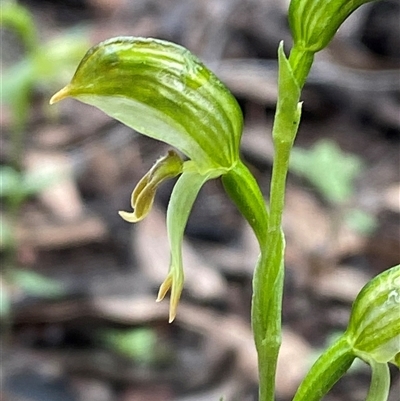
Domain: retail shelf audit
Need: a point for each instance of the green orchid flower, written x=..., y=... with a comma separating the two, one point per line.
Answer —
x=162, y=91
x=373, y=335
x=374, y=328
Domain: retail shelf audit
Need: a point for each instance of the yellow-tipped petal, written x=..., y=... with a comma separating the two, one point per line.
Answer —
x=60, y=95
x=130, y=217
x=174, y=302
x=176, y=290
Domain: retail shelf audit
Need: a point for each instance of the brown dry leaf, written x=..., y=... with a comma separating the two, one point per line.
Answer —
x=238, y=258
x=152, y=249
x=158, y=392
x=310, y=244
x=231, y=390
x=45, y=235
x=53, y=136
x=107, y=7
x=349, y=242
x=91, y=389
x=256, y=143
x=248, y=79
x=61, y=197
x=103, y=171
x=227, y=330
x=306, y=223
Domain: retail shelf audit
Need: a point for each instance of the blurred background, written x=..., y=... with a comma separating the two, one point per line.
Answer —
x=78, y=284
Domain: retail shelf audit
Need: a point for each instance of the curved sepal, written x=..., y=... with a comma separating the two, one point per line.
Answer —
x=163, y=91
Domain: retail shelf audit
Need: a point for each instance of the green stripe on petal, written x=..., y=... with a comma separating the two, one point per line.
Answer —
x=374, y=328
x=161, y=90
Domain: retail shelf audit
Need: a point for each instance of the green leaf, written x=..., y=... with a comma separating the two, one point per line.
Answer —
x=161, y=90
x=48, y=65
x=5, y=304
x=16, y=186
x=37, y=181
x=36, y=284
x=18, y=18
x=315, y=22
x=362, y=222
x=6, y=234
x=138, y=344
x=42, y=65
x=330, y=170
x=10, y=182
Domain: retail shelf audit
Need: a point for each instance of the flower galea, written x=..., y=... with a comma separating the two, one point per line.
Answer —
x=162, y=91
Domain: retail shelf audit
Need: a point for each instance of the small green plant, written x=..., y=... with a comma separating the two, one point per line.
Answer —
x=326, y=167
x=163, y=91
x=16, y=188
x=332, y=173
x=40, y=66
x=139, y=344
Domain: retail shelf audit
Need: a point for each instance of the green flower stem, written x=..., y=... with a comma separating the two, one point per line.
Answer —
x=277, y=191
x=269, y=272
x=243, y=189
x=380, y=382
x=326, y=371
x=266, y=323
